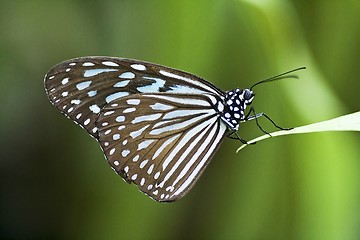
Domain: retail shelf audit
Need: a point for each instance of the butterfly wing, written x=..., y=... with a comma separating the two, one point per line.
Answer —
x=81, y=87
x=161, y=142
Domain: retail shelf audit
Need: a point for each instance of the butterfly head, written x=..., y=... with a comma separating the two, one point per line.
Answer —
x=248, y=96
x=236, y=102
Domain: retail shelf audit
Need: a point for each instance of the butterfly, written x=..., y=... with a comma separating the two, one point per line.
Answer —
x=158, y=127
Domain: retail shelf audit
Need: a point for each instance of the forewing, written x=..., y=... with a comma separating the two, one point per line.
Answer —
x=161, y=142
x=81, y=87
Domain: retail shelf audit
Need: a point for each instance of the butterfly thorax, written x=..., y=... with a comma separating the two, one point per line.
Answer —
x=236, y=102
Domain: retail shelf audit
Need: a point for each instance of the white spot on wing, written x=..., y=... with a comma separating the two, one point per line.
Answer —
x=88, y=64
x=160, y=106
x=128, y=75
x=145, y=144
x=221, y=107
x=116, y=136
x=143, y=163
x=87, y=121
x=65, y=81
x=110, y=64
x=124, y=153
x=112, y=151
x=94, y=108
x=120, y=119
x=139, y=67
x=108, y=113
x=149, y=171
x=133, y=101
x=150, y=117
x=137, y=133
x=83, y=85
x=172, y=75
x=128, y=110
x=170, y=189
x=94, y=72
x=212, y=99
x=92, y=93
x=75, y=101
x=114, y=96
x=122, y=83
x=136, y=158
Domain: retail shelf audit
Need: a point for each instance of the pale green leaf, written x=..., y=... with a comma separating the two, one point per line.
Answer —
x=350, y=122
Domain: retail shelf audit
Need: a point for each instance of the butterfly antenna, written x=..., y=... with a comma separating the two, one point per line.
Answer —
x=280, y=76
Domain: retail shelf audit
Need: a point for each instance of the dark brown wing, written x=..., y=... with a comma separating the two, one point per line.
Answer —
x=81, y=87
x=161, y=142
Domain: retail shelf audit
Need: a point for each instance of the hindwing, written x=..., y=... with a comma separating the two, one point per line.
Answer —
x=161, y=142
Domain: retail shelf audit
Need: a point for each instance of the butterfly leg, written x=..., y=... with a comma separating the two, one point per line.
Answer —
x=257, y=115
x=237, y=137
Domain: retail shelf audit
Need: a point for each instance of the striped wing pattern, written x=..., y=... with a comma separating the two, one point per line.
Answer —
x=147, y=138
x=81, y=87
x=158, y=127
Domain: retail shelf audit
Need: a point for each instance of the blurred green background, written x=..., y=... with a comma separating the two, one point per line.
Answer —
x=56, y=184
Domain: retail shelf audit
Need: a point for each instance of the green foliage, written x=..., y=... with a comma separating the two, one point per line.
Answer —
x=56, y=183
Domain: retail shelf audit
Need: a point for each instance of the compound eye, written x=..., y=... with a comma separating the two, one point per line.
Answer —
x=248, y=94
